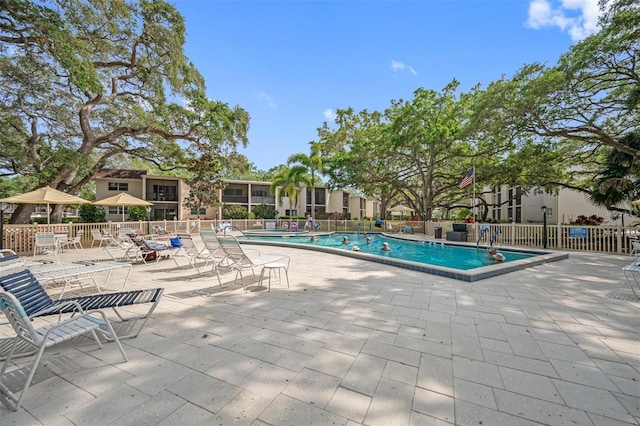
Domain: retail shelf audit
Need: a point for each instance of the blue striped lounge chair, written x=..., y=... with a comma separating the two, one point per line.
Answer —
x=36, y=302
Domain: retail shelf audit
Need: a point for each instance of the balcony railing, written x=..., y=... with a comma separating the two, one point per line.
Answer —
x=263, y=200
x=164, y=197
x=235, y=199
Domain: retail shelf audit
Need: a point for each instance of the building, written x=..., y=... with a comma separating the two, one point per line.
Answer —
x=168, y=194
x=511, y=205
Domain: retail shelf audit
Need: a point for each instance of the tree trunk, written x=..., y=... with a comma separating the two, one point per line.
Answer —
x=22, y=214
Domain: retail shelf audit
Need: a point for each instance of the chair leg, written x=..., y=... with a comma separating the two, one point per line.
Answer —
x=32, y=373
x=112, y=335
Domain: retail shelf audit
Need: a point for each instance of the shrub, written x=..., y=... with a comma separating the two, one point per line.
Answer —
x=264, y=212
x=235, y=212
x=92, y=214
x=592, y=220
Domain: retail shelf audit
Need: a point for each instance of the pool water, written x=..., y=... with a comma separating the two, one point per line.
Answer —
x=428, y=252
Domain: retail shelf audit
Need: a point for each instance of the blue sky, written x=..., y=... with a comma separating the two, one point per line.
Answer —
x=291, y=64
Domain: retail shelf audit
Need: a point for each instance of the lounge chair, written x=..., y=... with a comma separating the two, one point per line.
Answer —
x=212, y=252
x=187, y=250
x=97, y=236
x=239, y=260
x=146, y=251
x=75, y=241
x=36, y=302
x=10, y=261
x=49, y=335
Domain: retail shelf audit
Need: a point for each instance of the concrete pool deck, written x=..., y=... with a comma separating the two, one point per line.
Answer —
x=354, y=342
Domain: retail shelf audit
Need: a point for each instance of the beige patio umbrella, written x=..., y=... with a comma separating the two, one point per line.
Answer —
x=45, y=196
x=123, y=200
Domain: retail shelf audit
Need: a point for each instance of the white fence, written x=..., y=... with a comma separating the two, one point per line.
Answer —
x=605, y=239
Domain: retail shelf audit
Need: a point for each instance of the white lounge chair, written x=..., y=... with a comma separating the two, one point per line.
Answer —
x=239, y=260
x=188, y=251
x=75, y=241
x=47, y=336
x=97, y=236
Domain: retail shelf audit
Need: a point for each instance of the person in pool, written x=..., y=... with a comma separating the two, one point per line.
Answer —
x=494, y=257
x=368, y=239
x=385, y=247
x=313, y=239
x=345, y=241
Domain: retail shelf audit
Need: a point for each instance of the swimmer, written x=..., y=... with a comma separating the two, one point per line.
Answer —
x=368, y=240
x=385, y=247
x=492, y=253
x=313, y=239
x=355, y=248
x=494, y=257
x=345, y=241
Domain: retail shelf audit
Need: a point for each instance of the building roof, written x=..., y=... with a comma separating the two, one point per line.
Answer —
x=119, y=174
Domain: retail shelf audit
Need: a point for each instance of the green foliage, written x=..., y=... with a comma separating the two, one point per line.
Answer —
x=92, y=214
x=618, y=176
x=98, y=75
x=462, y=214
x=137, y=213
x=287, y=181
x=264, y=212
x=235, y=212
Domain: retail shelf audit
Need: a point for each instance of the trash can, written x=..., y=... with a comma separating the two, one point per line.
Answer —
x=437, y=232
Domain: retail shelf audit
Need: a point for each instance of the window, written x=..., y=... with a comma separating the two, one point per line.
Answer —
x=195, y=212
x=117, y=210
x=234, y=192
x=118, y=186
x=165, y=193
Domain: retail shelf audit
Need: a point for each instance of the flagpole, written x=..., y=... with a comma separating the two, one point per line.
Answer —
x=473, y=205
x=473, y=202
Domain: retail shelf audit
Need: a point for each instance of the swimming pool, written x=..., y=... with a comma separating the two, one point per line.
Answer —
x=461, y=261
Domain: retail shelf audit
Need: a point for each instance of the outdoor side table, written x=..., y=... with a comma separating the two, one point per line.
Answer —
x=276, y=267
x=632, y=275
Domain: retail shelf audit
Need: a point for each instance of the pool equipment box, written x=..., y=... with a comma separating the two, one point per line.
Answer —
x=459, y=232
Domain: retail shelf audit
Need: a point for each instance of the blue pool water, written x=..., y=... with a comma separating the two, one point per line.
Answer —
x=432, y=253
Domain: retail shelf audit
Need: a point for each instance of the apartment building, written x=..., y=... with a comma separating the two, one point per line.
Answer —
x=168, y=194
x=513, y=205
x=165, y=192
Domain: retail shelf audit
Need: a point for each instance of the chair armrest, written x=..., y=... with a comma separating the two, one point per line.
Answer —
x=58, y=307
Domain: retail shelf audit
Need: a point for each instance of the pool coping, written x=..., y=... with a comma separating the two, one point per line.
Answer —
x=470, y=275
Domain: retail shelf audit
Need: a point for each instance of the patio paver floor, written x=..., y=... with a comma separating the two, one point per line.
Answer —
x=354, y=342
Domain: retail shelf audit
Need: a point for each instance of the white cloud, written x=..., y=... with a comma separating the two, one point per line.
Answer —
x=398, y=66
x=578, y=17
x=263, y=96
x=329, y=114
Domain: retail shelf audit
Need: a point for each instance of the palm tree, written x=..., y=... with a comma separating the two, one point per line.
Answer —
x=288, y=179
x=313, y=165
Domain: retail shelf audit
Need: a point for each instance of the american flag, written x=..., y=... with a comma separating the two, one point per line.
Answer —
x=468, y=180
